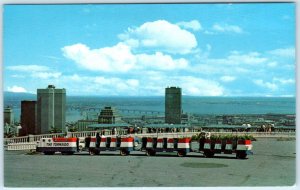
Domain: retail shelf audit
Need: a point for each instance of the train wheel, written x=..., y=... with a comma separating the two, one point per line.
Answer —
x=208, y=153
x=124, y=152
x=241, y=155
x=49, y=153
x=92, y=152
x=148, y=153
x=153, y=153
x=181, y=153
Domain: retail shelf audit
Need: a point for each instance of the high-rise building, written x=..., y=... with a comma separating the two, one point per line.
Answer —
x=28, y=118
x=51, y=109
x=8, y=116
x=173, y=105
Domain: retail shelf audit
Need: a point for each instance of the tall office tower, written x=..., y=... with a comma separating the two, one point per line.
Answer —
x=8, y=116
x=28, y=118
x=51, y=109
x=173, y=105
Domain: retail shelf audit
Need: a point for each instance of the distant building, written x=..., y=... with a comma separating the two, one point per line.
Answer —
x=8, y=116
x=185, y=118
x=109, y=115
x=51, y=109
x=81, y=125
x=173, y=105
x=28, y=118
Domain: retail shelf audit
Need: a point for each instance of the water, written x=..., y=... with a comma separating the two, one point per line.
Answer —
x=192, y=105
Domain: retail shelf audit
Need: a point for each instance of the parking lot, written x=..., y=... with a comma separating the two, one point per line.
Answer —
x=273, y=164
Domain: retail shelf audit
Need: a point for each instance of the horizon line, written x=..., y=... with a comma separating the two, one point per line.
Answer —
x=120, y=96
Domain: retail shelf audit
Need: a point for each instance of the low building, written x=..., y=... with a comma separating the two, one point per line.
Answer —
x=82, y=125
x=111, y=129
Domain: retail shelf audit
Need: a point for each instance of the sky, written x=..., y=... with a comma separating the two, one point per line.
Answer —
x=140, y=49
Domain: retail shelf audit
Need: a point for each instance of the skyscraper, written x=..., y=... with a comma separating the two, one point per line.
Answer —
x=173, y=105
x=8, y=116
x=51, y=109
x=28, y=118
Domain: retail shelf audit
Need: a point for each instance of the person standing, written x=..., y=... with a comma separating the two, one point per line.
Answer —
x=98, y=139
x=87, y=141
x=77, y=144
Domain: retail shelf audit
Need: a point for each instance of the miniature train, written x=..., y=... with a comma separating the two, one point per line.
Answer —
x=150, y=145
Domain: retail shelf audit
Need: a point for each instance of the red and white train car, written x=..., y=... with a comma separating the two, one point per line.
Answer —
x=125, y=145
x=181, y=145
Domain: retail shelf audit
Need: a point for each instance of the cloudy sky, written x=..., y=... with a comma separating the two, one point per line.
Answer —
x=138, y=50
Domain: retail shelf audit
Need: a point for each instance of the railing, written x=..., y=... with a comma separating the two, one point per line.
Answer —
x=260, y=134
x=30, y=138
x=22, y=146
x=16, y=140
x=38, y=137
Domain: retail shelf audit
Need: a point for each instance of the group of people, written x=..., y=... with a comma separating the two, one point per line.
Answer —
x=88, y=141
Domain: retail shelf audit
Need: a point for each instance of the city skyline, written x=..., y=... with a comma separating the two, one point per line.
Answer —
x=138, y=50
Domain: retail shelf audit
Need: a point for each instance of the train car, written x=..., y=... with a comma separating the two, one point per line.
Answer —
x=60, y=144
x=125, y=145
x=180, y=145
x=241, y=148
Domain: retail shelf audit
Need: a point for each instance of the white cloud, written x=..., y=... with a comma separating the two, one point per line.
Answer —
x=272, y=64
x=17, y=76
x=160, y=35
x=110, y=59
x=101, y=85
x=132, y=82
x=193, y=24
x=227, y=28
x=28, y=68
x=284, y=81
x=249, y=58
x=16, y=89
x=119, y=58
x=227, y=78
x=75, y=77
x=284, y=52
x=275, y=84
x=234, y=61
x=46, y=75
x=52, y=57
x=159, y=61
x=208, y=32
x=151, y=83
x=35, y=71
x=269, y=85
x=208, y=47
x=120, y=86
x=200, y=87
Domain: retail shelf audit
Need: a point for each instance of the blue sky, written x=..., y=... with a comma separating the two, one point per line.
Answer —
x=138, y=50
